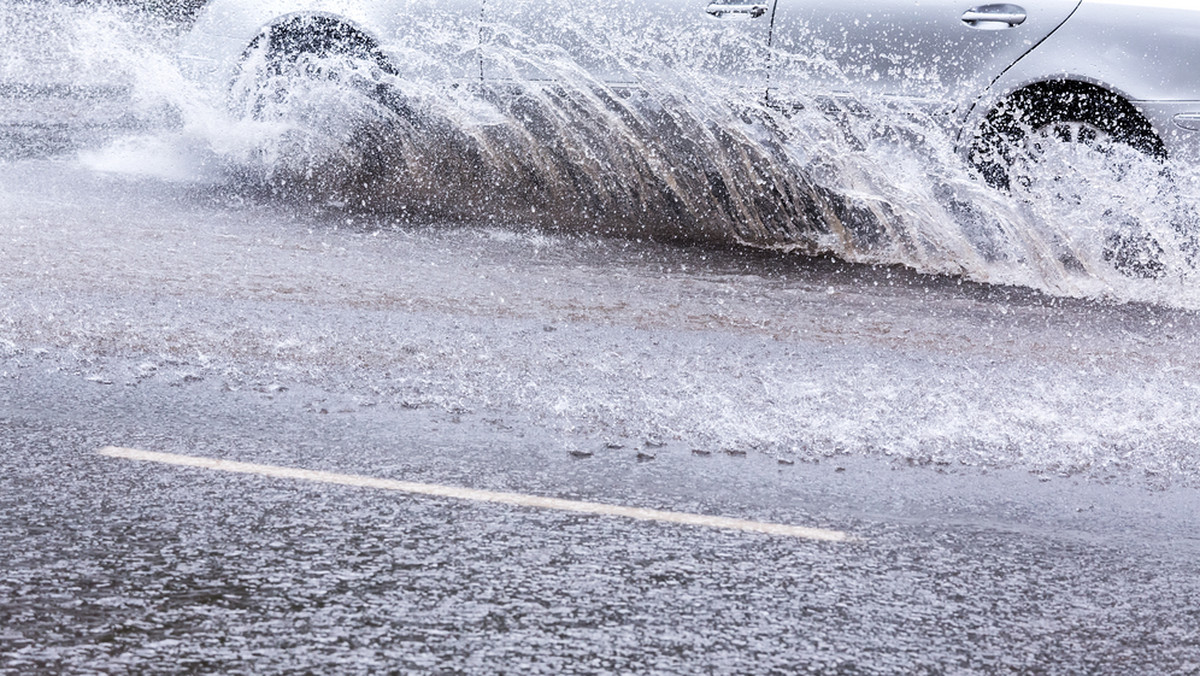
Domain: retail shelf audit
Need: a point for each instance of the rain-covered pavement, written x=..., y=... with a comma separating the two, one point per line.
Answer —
x=116, y=567
x=1021, y=468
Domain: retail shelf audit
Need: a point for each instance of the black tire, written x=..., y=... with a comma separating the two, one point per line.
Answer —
x=330, y=104
x=1066, y=109
x=316, y=48
x=1007, y=148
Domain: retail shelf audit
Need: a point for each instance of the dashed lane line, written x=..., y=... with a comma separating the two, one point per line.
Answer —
x=475, y=495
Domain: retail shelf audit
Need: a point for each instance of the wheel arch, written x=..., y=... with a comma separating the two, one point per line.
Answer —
x=317, y=26
x=991, y=125
x=212, y=52
x=1077, y=97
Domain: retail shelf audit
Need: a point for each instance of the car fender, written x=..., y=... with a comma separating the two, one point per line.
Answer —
x=212, y=51
x=438, y=41
x=1143, y=51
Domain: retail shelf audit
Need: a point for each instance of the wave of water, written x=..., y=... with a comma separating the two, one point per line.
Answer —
x=685, y=155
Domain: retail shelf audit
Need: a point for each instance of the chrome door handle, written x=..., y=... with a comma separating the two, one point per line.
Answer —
x=747, y=11
x=995, y=17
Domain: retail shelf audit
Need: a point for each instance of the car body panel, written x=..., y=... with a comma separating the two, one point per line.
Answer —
x=917, y=49
x=615, y=39
x=1147, y=52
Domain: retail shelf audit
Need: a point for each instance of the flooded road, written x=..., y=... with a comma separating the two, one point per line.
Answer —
x=1020, y=467
x=122, y=279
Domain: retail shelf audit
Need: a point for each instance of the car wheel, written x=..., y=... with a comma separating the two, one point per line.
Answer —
x=288, y=61
x=1013, y=135
x=1071, y=122
x=322, y=102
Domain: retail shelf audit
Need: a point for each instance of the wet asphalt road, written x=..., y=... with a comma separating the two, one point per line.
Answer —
x=119, y=293
x=1021, y=472
x=115, y=567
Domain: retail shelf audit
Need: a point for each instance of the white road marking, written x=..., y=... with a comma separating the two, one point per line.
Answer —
x=475, y=495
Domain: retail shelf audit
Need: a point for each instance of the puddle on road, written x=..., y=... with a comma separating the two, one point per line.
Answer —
x=529, y=313
x=593, y=339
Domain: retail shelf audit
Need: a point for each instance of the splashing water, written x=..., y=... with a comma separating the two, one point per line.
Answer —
x=683, y=155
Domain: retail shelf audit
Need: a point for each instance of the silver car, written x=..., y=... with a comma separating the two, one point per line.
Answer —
x=998, y=76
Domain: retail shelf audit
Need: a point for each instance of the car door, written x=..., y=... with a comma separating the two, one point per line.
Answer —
x=941, y=53
x=621, y=41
